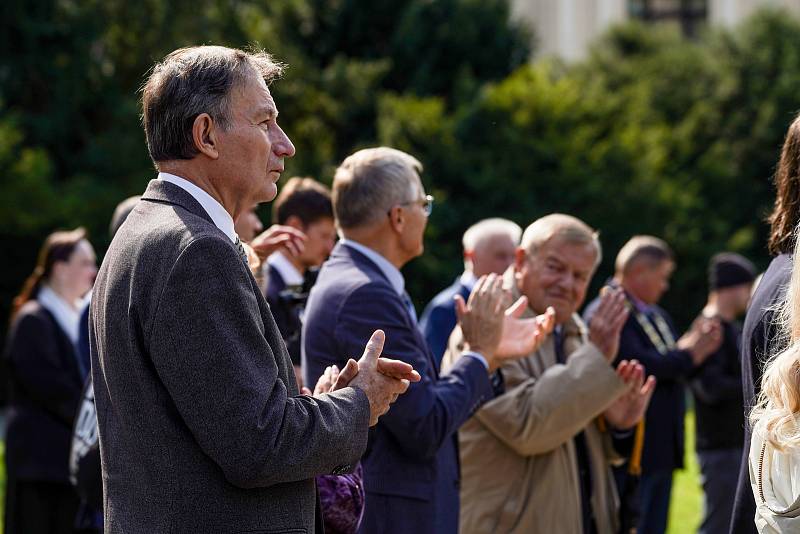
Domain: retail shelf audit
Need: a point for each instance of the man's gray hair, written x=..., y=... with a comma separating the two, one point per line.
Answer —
x=646, y=248
x=488, y=228
x=566, y=227
x=370, y=182
x=192, y=81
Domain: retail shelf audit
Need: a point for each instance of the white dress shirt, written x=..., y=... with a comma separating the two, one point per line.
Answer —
x=468, y=280
x=66, y=315
x=391, y=272
x=291, y=276
x=222, y=219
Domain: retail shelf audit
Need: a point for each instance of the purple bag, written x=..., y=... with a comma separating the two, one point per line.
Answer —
x=342, y=498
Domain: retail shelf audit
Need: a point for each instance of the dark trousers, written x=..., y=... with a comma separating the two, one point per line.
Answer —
x=381, y=516
x=654, y=492
x=34, y=507
x=719, y=471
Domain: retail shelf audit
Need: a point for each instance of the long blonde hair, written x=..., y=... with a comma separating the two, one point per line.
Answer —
x=778, y=405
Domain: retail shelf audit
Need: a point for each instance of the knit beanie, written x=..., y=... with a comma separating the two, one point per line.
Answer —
x=728, y=269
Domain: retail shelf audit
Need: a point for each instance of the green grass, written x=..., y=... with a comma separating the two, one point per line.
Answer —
x=687, y=496
x=2, y=482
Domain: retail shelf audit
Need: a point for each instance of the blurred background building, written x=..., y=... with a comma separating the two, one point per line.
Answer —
x=567, y=28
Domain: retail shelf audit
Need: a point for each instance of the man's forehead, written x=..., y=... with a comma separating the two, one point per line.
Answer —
x=495, y=241
x=267, y=104
x=559, y=245
x=258, y=97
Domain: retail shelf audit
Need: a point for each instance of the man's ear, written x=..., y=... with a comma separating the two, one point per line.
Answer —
x=520, y=256
x=295, y=222
x=204, y=135
x=397, y=219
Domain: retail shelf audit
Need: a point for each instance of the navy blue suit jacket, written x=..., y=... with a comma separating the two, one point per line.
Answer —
x=664, y=432
x=439, y=319
x=411, y=472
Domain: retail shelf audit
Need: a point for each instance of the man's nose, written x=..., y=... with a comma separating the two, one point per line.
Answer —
x=567, y=282
x=282, y=145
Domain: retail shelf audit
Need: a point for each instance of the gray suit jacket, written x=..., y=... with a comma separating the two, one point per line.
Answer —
x=201, y=425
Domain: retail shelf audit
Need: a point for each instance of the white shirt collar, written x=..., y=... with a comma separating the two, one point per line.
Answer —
x=222, y=219
x=390, y=271
x=291, y=276
x=67, y=317
x=468, y=280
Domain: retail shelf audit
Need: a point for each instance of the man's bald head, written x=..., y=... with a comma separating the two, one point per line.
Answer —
x=570, y=229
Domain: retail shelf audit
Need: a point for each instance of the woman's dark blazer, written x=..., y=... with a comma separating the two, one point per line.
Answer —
x=44, y=390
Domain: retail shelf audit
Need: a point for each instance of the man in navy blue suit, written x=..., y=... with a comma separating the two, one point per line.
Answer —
x=489, y=247
x=643, y=268
x=411, y=471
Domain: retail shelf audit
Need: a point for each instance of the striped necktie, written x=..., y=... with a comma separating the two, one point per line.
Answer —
x=242, y=253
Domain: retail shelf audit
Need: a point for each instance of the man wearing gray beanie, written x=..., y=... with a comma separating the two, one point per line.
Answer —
x=717, y=388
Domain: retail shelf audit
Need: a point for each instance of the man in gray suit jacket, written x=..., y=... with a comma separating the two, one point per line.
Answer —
x=201, y=425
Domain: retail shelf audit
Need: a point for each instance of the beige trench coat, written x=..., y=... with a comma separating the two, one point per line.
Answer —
x=519, y=469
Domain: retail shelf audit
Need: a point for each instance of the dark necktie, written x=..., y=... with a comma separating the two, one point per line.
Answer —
x=409, y=306
x=581, y=451
x=242, y=253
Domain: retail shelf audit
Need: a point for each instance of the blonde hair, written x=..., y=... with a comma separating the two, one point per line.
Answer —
x=778, y=404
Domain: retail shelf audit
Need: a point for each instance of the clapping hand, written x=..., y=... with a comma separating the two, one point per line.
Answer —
x=702, y=339
x=481, y=317
x=630, y=407
x=523, y=336
x=276, y=237
x=607, y=322
x=332, y=379
x=496, y=330
x=381, y=379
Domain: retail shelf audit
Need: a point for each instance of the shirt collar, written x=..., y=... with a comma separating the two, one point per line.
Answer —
x=390, y=271
x=468, y=280
x=222, y=219
x=640, y=305
x=291, y=276
x=67, y=317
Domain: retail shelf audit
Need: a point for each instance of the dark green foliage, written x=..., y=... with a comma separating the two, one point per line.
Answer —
x=71, y=145
x=650, y=134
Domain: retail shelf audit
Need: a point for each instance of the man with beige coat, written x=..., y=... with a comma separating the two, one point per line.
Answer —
x=537, y=458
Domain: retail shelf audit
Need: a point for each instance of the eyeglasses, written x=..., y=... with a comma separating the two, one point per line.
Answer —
x=426, y=203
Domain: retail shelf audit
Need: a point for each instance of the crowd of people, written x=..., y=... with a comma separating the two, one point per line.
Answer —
x=205, y=378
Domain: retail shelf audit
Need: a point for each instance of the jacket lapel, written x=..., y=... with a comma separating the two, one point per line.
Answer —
x=168, y=193
x=66, y=346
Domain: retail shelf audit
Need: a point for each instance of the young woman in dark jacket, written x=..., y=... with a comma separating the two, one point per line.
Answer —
x=45, y=376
